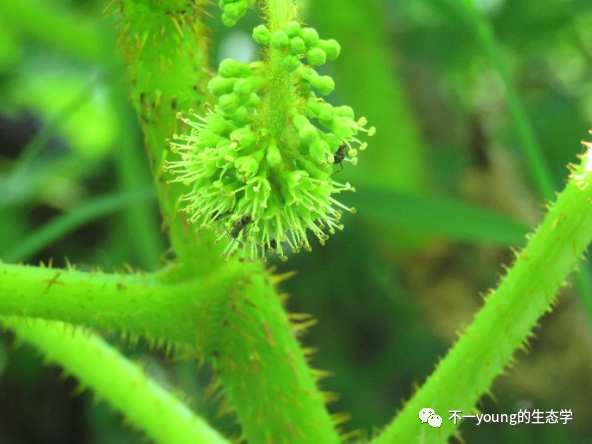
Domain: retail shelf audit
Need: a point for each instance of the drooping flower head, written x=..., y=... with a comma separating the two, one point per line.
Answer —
x=259, y=164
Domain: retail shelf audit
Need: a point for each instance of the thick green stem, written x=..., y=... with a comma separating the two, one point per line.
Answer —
x=508, y=317
x=187, y=314
x=279, y=102
x=264, y=371
x=122, y=383
x=165, y=45
x=280, y=12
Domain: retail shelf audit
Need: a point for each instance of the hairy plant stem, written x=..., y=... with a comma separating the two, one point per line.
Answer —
x=148, y=305
x=264, y=372
x=165, y=46
x=122, y=383
x=279, y=12
x=506, y=321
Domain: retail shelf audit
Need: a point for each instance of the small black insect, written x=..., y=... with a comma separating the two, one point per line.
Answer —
x=272, y=244
x=239, y=224
x=338, y=157
x=216, y=215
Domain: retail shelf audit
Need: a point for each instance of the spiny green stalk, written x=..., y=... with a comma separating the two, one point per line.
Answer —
x=506, y=321
x=114, y=378
x=280, y=13
x=154, y=306
x=165, y=46
x=263, y=370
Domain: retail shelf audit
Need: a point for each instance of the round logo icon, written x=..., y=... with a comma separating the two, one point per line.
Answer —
x=435, y=421
x=424, y=414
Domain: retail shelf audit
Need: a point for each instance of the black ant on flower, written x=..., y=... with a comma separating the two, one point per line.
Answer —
x=239, y=224
x=339, y=157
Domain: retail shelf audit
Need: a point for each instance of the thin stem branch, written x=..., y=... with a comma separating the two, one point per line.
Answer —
x=113, y=377
x=508, y=317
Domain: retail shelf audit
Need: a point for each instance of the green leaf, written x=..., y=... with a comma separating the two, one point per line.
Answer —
x=437, y=215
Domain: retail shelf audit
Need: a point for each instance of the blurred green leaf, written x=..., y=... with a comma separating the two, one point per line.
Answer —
x=80, y=109
x=61, y=225
x=437, y=215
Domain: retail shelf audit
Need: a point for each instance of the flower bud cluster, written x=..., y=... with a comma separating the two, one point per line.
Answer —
x=233, y=10
x=298, y=42
x=259, y=172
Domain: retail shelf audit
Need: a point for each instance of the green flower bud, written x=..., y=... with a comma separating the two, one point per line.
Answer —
x=208, y=139
x=327, y=114
x=229, y=103
x=310, y=36
x=223, y=147
x=241, y=116
x=257, y=67
x=312, y=169
x=261, y=34
x=314, y=107
x=316, y=56
x=344, y=111
x=292, y=29
x=228, y=21
x=280, y=40
x=245, y=137
x=274, y=157
x=217, y=125
x=291, y=62
x=297, y=45
x=331, y=48
x=343, y=132
x=233, y=10
x=323, y=84
x=209, y=169
x=318, y=151
x=308, y=133
x=289, y=185
x=253, y=101
x=231, y=68
x=220, y=85
x=224, y=155
x=300, y=121
x=302, y=212
x=246, y=166
x=331, y=140
x=244, y=87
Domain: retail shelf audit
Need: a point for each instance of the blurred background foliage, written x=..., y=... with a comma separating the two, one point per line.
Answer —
x=442, y=192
